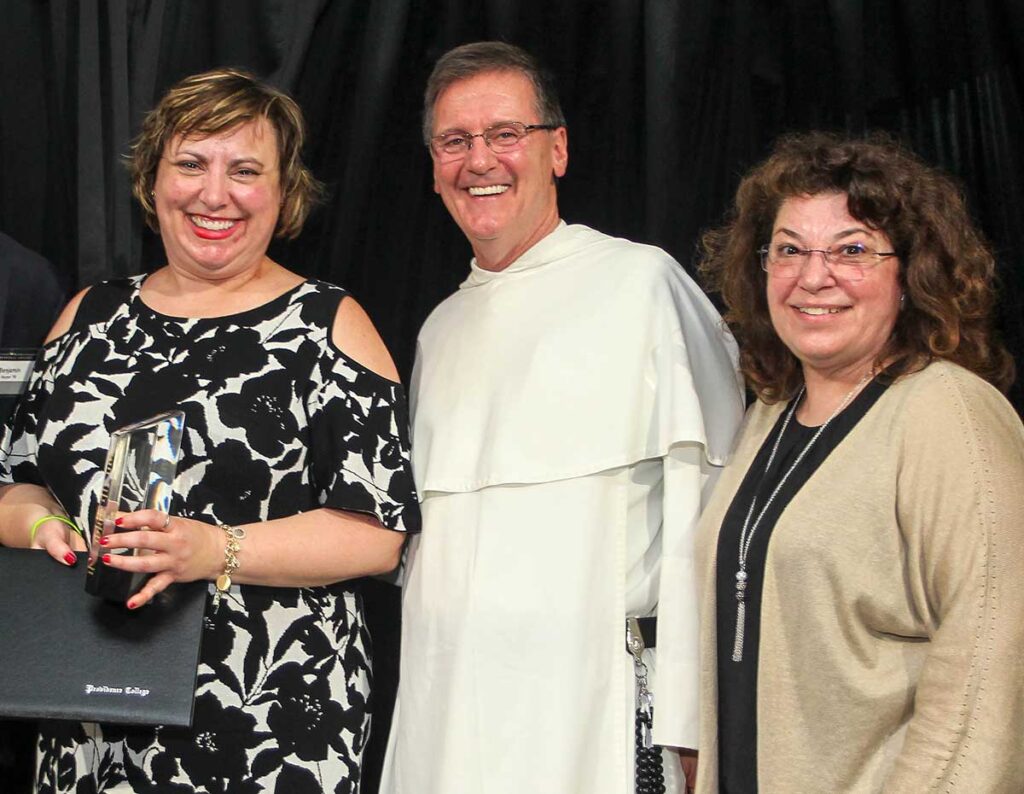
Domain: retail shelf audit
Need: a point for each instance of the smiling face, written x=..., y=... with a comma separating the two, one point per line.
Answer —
x=217, y=200
x=835, y=327
x=504, y=203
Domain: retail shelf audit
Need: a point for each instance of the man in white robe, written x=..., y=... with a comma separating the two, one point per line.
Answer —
x=572, y=403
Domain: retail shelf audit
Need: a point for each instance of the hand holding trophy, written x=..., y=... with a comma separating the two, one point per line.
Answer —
x=137, y=489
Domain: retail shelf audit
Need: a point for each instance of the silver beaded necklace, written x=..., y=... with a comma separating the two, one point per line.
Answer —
x=748, y=529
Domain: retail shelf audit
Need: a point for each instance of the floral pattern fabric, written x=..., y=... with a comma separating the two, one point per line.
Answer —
x=278, y=421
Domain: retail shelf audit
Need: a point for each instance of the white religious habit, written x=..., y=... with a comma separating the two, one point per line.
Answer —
x=569, y=413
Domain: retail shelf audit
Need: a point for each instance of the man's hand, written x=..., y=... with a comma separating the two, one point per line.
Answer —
x=689, y=762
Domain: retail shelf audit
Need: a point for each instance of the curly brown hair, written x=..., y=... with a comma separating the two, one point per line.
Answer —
x=218, y=101
x=946, y=269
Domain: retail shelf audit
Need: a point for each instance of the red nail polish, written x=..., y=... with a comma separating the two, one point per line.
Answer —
x=106, y=558
x=132, y=605
x=119, y=521
x=104, y=540
x=70, y=558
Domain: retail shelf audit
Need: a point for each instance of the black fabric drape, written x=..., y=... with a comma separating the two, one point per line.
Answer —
x=668, y=103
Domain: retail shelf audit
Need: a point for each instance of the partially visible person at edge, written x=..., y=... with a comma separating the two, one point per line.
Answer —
x=30, y=298
x=573, y=402
x=295, y=435
x=864, y=585
x=30, y=295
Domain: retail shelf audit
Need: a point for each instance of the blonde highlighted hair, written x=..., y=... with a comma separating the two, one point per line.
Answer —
x=215, y=102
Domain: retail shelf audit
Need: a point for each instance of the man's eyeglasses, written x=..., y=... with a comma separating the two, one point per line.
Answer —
x=499, y=138
x=846, y=260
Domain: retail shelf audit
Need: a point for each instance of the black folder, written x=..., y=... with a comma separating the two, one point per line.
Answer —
x=67, y=655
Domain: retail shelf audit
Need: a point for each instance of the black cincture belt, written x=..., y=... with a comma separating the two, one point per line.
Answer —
x=648, y=631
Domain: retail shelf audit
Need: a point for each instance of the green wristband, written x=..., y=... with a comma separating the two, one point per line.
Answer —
x=44, y=519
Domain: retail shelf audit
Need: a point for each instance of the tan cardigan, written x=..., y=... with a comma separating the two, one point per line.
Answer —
x=892, y=621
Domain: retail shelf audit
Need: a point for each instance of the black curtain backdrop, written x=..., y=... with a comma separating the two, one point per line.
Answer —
x=668, y=103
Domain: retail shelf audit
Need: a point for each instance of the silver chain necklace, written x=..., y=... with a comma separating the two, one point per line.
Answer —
x=748, y=530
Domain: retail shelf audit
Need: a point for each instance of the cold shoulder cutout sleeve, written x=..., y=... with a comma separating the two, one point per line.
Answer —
x=355, y=336
x=359, y=441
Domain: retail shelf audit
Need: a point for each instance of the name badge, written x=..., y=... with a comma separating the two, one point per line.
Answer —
x=15, y=369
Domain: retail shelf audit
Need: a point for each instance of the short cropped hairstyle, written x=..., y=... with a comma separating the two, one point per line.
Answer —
x=480, y=57
x=216, y=102
x=946, y=270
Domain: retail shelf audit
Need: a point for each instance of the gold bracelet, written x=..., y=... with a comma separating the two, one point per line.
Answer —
x=231, y=549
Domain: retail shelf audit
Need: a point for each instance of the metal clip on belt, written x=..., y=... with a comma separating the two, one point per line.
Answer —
x=650, y=772
x=644, y=699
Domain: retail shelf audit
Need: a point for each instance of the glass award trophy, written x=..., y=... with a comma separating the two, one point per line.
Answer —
x=139, y=475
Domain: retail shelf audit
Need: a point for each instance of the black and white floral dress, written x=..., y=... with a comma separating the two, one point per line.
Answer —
x=278, y=422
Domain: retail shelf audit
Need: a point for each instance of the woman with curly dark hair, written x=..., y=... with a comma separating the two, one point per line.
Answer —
x=864, y=584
